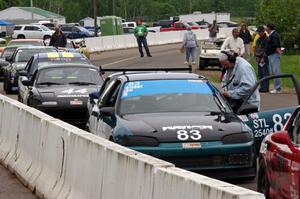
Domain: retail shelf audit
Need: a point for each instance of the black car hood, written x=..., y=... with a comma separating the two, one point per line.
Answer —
x=63, y=94
x=164, y=126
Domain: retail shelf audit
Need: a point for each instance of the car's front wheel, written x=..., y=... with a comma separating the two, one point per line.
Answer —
x=263, y=185
x=47, y=37
x=202, y=64
x=21, y=37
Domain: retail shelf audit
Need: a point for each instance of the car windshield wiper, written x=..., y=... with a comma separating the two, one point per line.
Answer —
x=217, y=100
x=83, y=83
x=49, y=83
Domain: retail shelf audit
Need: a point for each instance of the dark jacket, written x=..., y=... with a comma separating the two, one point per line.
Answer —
x=58, y=40
x=273, y=43
x=245, y=36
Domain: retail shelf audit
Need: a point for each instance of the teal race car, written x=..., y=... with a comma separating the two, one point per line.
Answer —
x=181, y=118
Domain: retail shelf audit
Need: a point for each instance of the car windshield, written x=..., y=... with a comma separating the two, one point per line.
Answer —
x=26, y=43
x=192, y=23
x=45, y=28
x=82, y=29
x=154, y=96
x=69, y=75
x=23, y=55
x=47, y=61
x=7, y=52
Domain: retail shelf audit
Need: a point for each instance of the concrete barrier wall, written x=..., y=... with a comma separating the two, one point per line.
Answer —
x=57, y=160
x=105, y=43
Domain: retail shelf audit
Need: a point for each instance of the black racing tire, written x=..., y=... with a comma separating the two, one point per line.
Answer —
x=8, y=88
x=263, y=184
x=46, y=37
x=4, y=83
x=202, y=64
x=19, y=97
x=21, y=37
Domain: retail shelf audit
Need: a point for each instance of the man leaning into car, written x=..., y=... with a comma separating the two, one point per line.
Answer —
x=238, y=80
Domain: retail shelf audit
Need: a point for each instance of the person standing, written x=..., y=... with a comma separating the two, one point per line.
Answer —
x=190, y=43
x=273, y=51
x=213, y=30
x=247, y=38
x=58, y=39
x=261, y=58
x=141, y=32
x=234, y=43
x=238, y=80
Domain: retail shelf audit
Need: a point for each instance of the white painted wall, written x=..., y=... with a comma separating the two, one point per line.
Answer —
x=60, y=161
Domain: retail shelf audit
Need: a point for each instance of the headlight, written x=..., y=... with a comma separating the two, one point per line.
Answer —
x=138, y=141
x=237, y=138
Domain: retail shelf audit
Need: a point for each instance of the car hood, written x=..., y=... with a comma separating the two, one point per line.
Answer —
x=165, y=127
x=63, y=94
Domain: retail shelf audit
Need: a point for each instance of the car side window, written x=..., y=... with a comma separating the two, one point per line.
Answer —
x=294, y=129
x=34, y=28
x=109, y=96
x=29, y=28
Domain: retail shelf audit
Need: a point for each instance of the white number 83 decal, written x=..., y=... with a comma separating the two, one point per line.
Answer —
x=185, y=135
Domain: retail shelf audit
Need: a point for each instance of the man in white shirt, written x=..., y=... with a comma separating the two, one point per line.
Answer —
x=234, y=43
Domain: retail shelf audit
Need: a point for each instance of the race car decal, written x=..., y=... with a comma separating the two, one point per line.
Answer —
x=188, y=127
x=157, y=87
x=188, y=132
x=72, y=90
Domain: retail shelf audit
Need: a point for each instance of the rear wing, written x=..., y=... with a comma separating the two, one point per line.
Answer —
x=125, y=70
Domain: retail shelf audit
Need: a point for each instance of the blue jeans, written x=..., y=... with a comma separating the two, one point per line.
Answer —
x=263, y=71
x=274, y=66
x=190, y=52
x=140, y=41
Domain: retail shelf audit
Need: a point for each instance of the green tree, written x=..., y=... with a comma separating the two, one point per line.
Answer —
x=286, y=16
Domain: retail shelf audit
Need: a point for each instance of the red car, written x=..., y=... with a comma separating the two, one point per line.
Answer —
x=279, y=163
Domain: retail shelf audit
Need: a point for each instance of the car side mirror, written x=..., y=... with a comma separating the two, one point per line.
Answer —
x=107, y=111
x=22, y=73
x=247, y=108
x=26, y=82
x=4, y=63
x=281, y=137
x=8, y=59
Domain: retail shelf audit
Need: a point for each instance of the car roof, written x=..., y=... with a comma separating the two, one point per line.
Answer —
x=59, y=65
x=139, y=76
x=60, y=55
x=35, y=47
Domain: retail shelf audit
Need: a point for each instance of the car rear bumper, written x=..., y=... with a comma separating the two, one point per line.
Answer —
x=211, y=61
x=212, y=158
x=76, y=116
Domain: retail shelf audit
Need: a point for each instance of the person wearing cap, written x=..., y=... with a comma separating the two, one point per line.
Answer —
x=238, y=80
x=141, y=32
x=273, y=51
x=261, y=58
x=190, y=43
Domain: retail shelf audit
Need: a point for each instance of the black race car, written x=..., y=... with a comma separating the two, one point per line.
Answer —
x=178, y=117
x=61, y=90
x=17, y=62
x=42, y=59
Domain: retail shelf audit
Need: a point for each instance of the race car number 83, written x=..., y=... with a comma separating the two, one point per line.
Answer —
x=190, y=134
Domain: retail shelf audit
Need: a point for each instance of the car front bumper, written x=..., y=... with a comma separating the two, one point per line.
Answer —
x=215, y=158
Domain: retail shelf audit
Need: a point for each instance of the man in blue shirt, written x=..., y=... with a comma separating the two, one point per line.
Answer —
x=273, y=51
x=238, y=80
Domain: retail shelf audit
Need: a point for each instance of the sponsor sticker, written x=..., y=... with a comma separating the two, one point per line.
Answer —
x=192, y=145
x=76, y=102
x=244, y=118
